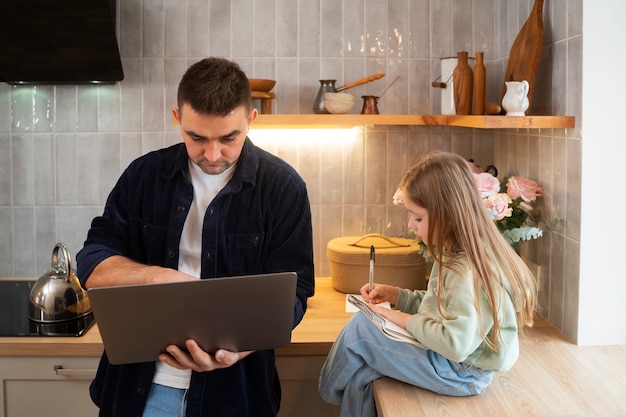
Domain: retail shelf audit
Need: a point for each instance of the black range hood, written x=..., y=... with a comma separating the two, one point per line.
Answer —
x=58, y=42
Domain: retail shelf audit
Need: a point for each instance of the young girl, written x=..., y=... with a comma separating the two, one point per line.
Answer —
x=479, y=294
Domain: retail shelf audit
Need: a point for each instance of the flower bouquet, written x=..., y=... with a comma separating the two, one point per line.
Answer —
x=510, y=205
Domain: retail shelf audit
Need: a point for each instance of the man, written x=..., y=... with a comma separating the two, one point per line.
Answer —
x=214, y=205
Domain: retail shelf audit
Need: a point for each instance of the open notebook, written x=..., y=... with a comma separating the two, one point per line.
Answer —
x=252, y=312
x=389, y=329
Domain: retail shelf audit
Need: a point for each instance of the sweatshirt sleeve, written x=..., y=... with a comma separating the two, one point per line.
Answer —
x=454, y=332
x=408, y=300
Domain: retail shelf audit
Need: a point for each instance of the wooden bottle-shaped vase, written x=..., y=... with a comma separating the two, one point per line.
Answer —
x=463, y=81
x=480, y=78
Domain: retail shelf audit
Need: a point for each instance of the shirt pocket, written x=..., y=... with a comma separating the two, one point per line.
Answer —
x=151, y=238
x=244, y=253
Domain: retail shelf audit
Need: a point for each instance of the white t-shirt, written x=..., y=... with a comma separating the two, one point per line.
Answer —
x=205, y=188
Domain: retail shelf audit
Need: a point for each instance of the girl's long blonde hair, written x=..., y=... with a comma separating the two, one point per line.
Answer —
x=458, y=222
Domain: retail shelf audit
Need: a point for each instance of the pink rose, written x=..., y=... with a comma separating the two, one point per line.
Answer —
x=522, y=187
x=498, y=206
x=398, y=197
x=487, y=184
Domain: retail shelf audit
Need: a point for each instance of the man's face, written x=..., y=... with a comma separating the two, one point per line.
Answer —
x=214, y=142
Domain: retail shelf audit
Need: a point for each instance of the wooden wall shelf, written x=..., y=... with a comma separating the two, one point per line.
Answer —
x=351, y=120
x=513, y=122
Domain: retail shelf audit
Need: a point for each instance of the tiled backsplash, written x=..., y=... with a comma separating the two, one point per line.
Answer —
x=63, y=147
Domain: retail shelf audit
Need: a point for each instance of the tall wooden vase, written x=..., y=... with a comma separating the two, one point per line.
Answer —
x=480, y=78
x=526, y=51
x=463, y=81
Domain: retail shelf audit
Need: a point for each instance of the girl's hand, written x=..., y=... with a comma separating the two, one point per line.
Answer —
x=380, y=293
x=398, y=317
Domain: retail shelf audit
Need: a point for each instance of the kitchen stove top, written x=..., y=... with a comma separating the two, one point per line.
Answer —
x=14, y=319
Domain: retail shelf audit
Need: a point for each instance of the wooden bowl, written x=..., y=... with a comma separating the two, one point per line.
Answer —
x=259, y=84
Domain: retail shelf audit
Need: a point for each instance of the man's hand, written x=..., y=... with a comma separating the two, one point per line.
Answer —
x=197, y=359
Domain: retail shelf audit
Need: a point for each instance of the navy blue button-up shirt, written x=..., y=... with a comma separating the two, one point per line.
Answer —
x=260, y=222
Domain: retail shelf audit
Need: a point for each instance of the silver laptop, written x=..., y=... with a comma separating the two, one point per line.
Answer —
x=252, y=312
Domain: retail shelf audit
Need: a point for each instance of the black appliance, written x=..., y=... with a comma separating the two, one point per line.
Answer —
x=58, y=42
x=14, y=321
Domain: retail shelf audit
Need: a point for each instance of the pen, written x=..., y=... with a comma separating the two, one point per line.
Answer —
x=372, y=256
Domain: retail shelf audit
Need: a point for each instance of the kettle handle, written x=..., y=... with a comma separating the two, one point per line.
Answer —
x=67, y=268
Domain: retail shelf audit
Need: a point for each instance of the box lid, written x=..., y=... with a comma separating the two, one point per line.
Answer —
x=356, y=250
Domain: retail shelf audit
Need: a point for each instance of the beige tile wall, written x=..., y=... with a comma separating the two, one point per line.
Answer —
x=63, y=147
x=554, y=158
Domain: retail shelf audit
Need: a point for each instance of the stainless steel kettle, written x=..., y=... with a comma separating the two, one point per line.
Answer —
x=57, y=295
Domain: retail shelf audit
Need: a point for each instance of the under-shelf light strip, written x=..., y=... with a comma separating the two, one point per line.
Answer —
x=319, y=136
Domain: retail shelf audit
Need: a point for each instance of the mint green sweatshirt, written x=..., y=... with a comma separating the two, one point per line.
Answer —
x=457, y=334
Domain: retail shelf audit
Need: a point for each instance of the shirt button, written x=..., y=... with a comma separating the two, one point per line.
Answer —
x=208, y=255
x=182, y=208
x=171, y=253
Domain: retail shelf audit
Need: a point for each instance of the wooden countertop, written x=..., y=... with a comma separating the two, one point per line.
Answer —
x=324, y=319
x=553, y=377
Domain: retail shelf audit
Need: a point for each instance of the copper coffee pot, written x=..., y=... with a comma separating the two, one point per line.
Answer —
x=370, y=103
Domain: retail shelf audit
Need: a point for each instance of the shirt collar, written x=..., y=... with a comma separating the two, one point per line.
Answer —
x=245, y=172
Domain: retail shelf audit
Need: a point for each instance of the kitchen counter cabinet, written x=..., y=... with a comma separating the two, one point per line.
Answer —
x=59, y=387
x=469, y=121
x=47, y=386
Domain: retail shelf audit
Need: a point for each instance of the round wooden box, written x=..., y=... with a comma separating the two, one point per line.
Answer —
x=397, y=262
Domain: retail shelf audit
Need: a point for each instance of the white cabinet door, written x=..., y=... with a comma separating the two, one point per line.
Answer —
x=50, y=387
x=59, y=387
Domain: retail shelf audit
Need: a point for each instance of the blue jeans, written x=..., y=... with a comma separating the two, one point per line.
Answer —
x=165, y=402
x=362, y=353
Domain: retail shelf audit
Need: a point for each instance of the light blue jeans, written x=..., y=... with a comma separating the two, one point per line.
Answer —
x=362, y=353
x=165, y=402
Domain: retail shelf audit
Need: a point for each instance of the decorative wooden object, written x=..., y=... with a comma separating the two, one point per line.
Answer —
x=266, y=100
x=526, y=51
x=463, y=81
x=480, y=78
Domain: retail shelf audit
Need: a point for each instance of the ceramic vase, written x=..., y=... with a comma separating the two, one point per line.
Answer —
x=480, y=78
x=463, y=79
